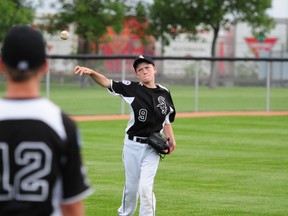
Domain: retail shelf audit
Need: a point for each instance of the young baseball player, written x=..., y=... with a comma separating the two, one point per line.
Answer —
x=41, y=171
x=151, y=110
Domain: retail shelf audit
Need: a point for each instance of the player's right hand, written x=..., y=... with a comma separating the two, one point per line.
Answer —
x=82, y=70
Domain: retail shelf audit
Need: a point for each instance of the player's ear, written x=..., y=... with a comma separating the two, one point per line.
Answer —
x=155, y=70
x=44, y=67
x=2, y=66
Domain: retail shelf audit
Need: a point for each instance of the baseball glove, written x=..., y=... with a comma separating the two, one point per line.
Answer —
x=160, y=143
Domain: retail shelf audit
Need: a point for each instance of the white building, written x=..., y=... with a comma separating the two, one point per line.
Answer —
x=229, y=44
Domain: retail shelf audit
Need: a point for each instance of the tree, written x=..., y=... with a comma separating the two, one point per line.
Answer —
x=15, y=12
x=90, y=18
x=169, y=18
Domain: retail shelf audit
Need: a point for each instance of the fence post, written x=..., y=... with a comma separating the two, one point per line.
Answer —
x=48, y=81
x=123, y=78
x=196, y=87
x=268, y=79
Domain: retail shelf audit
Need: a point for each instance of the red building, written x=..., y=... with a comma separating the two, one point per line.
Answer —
x=127, y=42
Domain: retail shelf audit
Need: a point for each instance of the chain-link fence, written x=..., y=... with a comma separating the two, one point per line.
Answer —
x=240, y=84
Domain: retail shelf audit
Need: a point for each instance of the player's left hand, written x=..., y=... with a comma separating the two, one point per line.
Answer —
x=170, y=145
x=161, y=144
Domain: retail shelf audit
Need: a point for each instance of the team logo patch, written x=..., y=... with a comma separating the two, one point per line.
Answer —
x=126, y=82
x=162, y=105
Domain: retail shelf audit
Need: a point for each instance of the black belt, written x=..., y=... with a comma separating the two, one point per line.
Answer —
x=137, y=139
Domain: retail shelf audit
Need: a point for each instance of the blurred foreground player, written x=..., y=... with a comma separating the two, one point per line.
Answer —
x=41, y=170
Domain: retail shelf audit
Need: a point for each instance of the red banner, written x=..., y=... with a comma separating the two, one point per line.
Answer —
x=256, y=45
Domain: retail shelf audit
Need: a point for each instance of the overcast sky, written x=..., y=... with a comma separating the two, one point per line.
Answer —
x=279, y=8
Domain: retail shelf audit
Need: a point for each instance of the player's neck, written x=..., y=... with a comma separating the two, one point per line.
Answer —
x=151, y=86
x=29, y=89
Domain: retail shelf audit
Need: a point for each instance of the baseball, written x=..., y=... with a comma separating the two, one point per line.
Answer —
x=64, y=35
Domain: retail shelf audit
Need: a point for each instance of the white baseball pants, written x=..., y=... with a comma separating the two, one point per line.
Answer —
x=140, y=165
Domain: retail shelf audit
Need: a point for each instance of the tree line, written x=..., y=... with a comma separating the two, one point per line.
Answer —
x=162, y=19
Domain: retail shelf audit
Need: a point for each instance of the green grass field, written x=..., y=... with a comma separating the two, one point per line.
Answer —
x=232, y=166
x=95, y=100
x=221, y=166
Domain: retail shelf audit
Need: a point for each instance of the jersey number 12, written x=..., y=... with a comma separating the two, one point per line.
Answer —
x=35, y=159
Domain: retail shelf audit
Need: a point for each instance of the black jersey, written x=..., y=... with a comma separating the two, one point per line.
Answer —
x=40, y=163
x=150, y=108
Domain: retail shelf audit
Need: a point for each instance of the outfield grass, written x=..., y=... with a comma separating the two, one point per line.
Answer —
x=95, y=100
x=221, y=166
